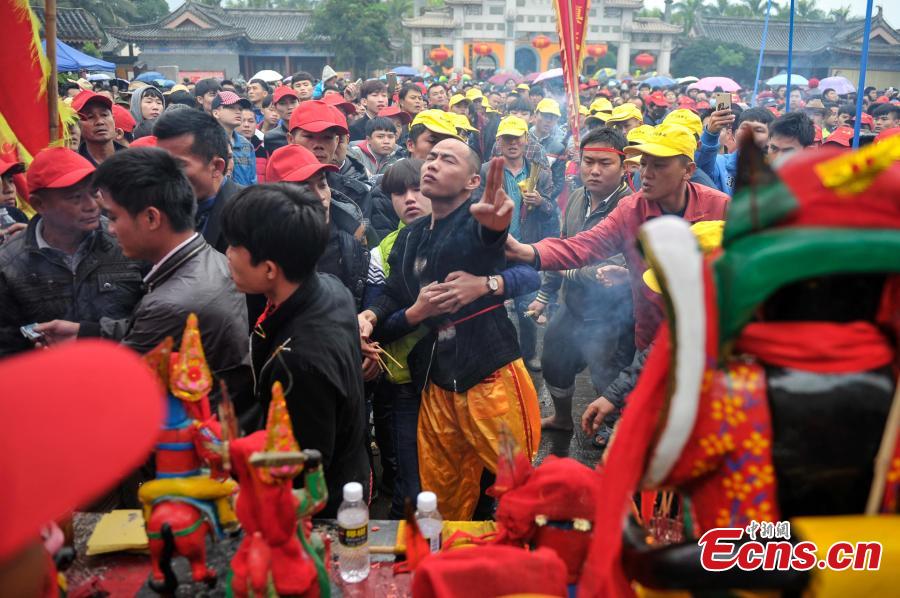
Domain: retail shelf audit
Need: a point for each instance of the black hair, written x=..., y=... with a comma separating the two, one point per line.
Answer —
x=605, y=137
x=416, y=131
x=407, y=88
x=537, y=90
x=210, y=139
x=753, y=115
x=372, y=86
x=280, y=222
x=227, y=82
x=847, y=109
x=380, y=123
x=65, y=87
x=795, y=125
x=886, y=110
x=145, y=177
x=519, y=105
x=182, y=97
x=155, y=92
x=261, y=83
x=301, y=76
x=401, y=176
x=204, y=86
x=267, y=101
x=437, y=84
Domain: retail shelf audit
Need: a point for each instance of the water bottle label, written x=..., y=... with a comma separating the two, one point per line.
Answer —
x=434, y=544
x=353, y=537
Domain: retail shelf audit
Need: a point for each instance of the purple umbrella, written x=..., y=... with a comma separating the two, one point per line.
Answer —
x=711, y=83
x=840, y=84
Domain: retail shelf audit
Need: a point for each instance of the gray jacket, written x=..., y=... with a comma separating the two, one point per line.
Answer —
x=36, y=285
x=195, y=279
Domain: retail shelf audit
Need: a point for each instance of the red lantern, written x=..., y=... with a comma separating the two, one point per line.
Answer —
x=540, y=42
x=481, y=49
x=439, y=54
x=596, y=50
x=644, y=60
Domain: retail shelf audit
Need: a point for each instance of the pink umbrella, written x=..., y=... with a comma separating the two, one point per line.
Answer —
x=502, y=78
x=711, y=83
x=530, y=77
x=551, y=74
x=840, y=84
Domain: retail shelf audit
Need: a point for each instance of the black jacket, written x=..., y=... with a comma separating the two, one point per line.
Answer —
x=384, y=219
x=211, y=227
x=274, y=139
x=36, y=286
x=469, y=351
x=311, y=346
x=358, y=129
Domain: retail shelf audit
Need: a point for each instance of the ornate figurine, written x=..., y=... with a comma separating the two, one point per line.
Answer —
x=184, y=505
x=766, y=396
x=278, y=555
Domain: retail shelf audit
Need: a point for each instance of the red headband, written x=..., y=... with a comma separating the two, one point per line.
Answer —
x=597, y=148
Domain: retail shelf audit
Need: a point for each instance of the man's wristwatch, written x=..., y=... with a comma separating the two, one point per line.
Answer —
x=493, y=285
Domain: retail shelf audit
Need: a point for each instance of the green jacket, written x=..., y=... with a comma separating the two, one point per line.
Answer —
x=400, y=348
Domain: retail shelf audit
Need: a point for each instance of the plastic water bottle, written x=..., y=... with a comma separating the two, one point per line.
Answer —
x=353, y=534
x=5, y=219
x=430, y=521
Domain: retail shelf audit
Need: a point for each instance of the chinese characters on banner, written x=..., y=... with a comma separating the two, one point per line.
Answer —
x=571, y=24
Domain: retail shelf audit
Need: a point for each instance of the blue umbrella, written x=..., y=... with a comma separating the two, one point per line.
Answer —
x=659, y=81
x=149, y=76
x=164, y=83
x=782, y=80
x=405, y=71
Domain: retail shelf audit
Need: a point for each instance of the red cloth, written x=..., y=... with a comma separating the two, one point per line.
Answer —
x=617, y=233
x=488, y=571
x=825, y=347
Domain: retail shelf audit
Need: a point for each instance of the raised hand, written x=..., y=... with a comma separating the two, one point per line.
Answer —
x=494, y=211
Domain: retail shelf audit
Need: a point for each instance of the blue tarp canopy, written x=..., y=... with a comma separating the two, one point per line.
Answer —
x=70, y=59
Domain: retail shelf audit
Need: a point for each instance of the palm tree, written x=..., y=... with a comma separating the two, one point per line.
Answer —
x=756, y=8
x=687, y=12
x=840, y=14
x=806, y=10
x=720, y=9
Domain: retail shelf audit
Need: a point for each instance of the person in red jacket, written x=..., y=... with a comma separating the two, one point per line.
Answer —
x=667, y=165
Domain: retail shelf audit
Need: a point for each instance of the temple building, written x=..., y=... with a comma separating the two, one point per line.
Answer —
x=489, y=34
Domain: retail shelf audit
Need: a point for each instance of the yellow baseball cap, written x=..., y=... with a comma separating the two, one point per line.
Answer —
x=709, y=238
x=640, y=134
x=601, y=105
x=583, y=111
x=457, y=98
x=473, y=93
x=437, y=122
x=178, y=87
x=523, y=87
x=512, y=125
x=624, y=112
x=460, y=121
x=548, y=106
x=666, y=141
x=686, y=118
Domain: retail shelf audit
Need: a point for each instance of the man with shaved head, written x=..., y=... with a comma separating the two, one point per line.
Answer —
x=468, y=366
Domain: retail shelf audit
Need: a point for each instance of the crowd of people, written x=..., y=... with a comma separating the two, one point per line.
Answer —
x=390, y=249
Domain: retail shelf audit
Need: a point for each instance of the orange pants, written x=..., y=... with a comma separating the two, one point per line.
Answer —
x=458, y=435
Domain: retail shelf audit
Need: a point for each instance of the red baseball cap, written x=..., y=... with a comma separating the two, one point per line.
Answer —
x=15, y=167
x=813, y=83
x=882, y=100
x=123, y=118
x=145, y=141
x=658, y=98
x=841, y=136
x=868, y=119
x=338, y=101
x=393, y=111
x=57, y=168
x=294, y=163
x=82, y=99
x=283, y=91
x=316, y=116
x=704, y=105
x=229, y=98
x=72, y=439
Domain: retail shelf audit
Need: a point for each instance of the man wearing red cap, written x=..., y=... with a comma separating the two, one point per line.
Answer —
x=64, y=265
x=226, y=109
x=98, y=127
x=285, y=100
x=125, y=124
x=657, y=106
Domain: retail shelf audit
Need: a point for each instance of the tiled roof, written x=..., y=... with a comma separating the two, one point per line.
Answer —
x=254, y=25
x=624, y=4
x=809, y=36
x=431, y=20
x=72, y=24
x=653, y=25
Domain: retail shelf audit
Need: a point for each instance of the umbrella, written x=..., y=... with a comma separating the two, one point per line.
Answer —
x=503, y=77
x=659, y=81
x=683, y=80
x=405, y=71
x=149, y=76
x=266, y=75
x=99, y=77
x=711, y=83
x=782, y=80
x=551, y=74
x=840, y=84
x=164, y=83
x=604, y=73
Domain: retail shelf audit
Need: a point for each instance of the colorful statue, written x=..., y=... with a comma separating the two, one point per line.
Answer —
x=766, y=395
x=184, y=505
x=278, y=555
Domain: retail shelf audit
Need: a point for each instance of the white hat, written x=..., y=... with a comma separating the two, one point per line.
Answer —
x=328, y=73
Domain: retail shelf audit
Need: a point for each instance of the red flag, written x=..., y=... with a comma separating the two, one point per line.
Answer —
x=571, y=24
x=24, y=73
